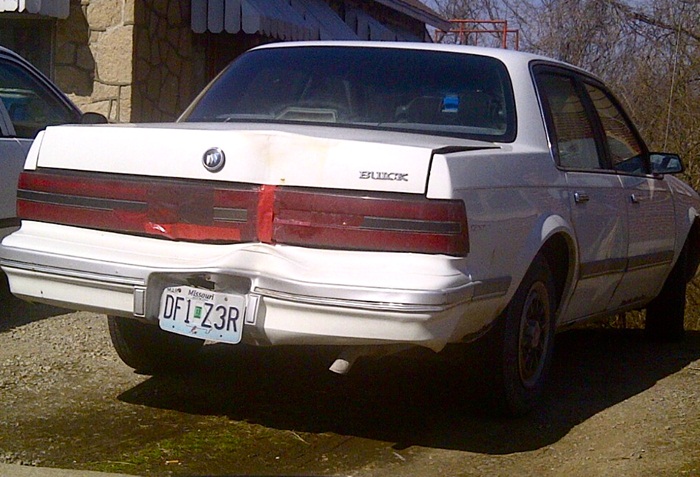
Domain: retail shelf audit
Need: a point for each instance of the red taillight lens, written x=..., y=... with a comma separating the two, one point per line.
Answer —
x=378, y=222
x=175, y=210
x=209, y=212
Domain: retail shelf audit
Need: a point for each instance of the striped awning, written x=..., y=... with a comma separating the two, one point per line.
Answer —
x=49, y=8
x=282, y=19
x=274, y=18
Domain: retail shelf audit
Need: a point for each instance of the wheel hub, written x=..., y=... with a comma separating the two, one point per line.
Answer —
x=534, y=334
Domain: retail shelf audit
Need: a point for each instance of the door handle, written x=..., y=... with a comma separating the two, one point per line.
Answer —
x=581, y=197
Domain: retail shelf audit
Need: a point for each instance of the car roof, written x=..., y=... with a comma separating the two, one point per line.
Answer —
x=509, y=57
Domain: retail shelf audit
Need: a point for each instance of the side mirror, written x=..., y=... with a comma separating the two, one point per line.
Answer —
x=93, y=118
x=665, y=163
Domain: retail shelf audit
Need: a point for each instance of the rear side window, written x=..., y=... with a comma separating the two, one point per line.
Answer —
x=588, y=130
x=381, y=88
x=574, y=135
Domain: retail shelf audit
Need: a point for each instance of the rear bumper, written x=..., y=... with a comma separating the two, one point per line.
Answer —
x=294, y=295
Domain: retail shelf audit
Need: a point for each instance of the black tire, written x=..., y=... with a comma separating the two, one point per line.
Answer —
x=523, y=342
x=8, y=302
x=150, y=350
x=665, y=314
x=5, y=293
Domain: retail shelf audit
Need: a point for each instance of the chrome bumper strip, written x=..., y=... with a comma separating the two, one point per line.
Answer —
x=320, y=294
x=357, y=304
x=73, y=274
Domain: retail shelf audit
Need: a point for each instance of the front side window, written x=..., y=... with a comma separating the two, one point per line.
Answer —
x=624, y=149
x=573, y=138
x=30, y=105
x=381, y=88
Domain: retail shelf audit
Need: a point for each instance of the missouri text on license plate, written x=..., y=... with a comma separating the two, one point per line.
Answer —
x=202, y=313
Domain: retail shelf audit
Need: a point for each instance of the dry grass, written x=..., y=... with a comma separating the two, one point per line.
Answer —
x=635, y=319
x=692, y=309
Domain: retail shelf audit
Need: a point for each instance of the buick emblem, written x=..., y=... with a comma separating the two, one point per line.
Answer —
x=214, y=159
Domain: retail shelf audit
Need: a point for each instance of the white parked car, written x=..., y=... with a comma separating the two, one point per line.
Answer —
x=373, y=196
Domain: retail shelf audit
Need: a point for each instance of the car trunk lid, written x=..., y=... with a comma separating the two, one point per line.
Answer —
x=260, y=156
x=276, y=187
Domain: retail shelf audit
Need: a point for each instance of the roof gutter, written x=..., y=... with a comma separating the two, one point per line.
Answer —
x=426, y=15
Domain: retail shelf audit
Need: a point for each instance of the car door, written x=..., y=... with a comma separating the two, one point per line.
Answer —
x=595, y=193
x=12, y=154
x=648, y=202
x=29, y=104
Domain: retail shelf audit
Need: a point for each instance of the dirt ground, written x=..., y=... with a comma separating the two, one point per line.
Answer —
x=616, y=405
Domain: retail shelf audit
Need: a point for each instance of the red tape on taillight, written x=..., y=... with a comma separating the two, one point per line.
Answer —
x=265, y=215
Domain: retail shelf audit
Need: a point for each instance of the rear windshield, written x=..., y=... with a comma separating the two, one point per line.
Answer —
x=429, y=92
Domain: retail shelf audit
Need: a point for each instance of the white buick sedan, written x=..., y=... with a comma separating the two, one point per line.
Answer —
x=368, y=196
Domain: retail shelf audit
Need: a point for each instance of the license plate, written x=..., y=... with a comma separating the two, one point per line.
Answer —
x=202, y=313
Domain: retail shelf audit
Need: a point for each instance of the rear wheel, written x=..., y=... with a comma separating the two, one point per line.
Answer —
x=523, y=341
x=665, y=314
x=150, y=350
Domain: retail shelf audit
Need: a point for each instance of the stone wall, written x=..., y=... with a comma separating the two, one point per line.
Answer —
x=170, y=65
x=132, y=61
x=94, y=56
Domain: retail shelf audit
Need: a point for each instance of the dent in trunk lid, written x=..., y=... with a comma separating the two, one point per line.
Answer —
x=252, y=156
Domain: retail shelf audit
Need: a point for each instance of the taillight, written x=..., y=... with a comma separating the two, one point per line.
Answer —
x=370, y=222
x=211, y=212
x=170, y=209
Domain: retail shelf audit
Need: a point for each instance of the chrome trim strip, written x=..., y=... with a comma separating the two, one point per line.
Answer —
x=230, y=214
x=91, y=283
x=602, y=267
x=411, y=225
x=623, y=265
x=140, y=302
x=649, y=260
x=81, y=201
x=492, y=288
x=356, y=304
x=251, y=309
x=443, y=299
x=74, y=274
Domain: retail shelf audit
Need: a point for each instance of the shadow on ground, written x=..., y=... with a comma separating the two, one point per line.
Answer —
x=15, y=312
x=409, y=401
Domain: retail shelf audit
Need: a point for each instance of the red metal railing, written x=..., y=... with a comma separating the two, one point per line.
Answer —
x=468, y=32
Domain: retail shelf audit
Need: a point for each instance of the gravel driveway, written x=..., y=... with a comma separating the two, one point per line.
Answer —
x=617, y=406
